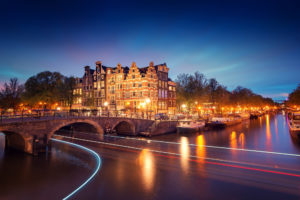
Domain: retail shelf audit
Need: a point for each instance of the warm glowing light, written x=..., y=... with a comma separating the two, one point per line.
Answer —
x=183, y=106
x=105, y=103
x=233, y=139
x=146, y=161
x=201, y=150
x=242, y=140
x=185, y=153
x=148, y=100
x=58, y=108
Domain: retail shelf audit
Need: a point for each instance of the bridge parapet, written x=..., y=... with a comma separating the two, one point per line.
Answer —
x=28, y=133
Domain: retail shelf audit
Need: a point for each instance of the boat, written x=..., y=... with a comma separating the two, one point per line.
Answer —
x=224, y=121
x=293, y=119
x=244, y=116
x=254, y=115
x=187, y=126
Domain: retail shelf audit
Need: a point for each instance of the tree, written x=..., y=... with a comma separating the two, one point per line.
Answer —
x=10, y=95
x=43, y=87
x=294, y=97
x=67, y=91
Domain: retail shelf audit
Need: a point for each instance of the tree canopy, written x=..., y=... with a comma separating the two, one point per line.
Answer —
x=195, y=87
x=10, y=94
x=294, y=97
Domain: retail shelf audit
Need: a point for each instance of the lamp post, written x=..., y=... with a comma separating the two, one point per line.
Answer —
x=106, y=107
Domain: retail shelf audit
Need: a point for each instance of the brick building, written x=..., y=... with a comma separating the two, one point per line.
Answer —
x=134, y=89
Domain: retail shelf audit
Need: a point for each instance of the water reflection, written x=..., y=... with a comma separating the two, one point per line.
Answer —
x=2, y=145
x=233, y=140
x=200, y=151
x=146, y=161
x=268, y=132
x=185, y=153
x=242, y=140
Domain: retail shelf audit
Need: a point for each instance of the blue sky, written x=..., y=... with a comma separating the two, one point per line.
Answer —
x=254, y=44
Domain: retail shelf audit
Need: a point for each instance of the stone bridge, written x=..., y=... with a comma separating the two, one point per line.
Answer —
x=32, y=135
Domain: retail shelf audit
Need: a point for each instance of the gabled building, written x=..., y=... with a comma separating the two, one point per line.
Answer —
x=146, y=89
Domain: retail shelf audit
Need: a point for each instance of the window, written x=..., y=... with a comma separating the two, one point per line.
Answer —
x=151, y=76
x=133, y=70
x=149, y=85
x=133, y=76
x=133, y=94
x=140, y=85
x=133, y=85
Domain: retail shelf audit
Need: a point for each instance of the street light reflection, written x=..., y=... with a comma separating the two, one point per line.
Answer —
x=268, y=132
x=185, y=153
x=233, y=140
x=146, y=161
x=242, y=140
x=201, y=151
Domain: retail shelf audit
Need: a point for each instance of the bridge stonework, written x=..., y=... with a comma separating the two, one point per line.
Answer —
x=32, y=136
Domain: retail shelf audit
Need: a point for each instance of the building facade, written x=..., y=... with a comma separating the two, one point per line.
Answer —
x=126, y=89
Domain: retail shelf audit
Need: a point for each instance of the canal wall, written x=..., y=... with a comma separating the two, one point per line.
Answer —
x=162, y=127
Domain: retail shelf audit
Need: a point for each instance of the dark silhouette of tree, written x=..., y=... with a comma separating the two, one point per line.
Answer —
x=43, y=87
x=66, y=90
x=196, y=88
x=294, y=97
x=10, y=95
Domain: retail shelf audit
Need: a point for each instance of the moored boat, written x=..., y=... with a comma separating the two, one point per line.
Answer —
x=187, y=126
x=244, y=116
x=294, y=124
x=222, y=122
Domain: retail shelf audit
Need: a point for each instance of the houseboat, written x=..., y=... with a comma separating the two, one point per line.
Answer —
x=188, y=126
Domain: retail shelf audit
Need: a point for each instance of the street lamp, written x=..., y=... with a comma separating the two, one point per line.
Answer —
x=106, y=105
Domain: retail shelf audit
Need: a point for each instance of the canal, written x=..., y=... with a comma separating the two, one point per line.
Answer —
x=254, y=160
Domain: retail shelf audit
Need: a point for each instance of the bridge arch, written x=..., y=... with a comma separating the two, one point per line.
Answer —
x=15, y=140
x=124, y=127
x=92, y=123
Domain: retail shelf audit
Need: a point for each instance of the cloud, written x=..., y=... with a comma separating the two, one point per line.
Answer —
x=223, y=68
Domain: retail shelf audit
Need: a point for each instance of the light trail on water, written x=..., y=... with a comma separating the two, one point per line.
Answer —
x=97, y=157
x=213, y=161
x=197, y=145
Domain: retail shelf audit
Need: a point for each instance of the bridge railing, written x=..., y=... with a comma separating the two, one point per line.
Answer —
x=65, y=114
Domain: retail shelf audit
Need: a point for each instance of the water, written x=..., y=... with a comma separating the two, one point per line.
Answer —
x=189, y=168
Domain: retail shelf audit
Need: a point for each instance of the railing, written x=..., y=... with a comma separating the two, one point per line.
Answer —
x=65, y=114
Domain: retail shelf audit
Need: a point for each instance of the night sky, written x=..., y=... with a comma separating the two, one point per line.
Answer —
x=255, y=44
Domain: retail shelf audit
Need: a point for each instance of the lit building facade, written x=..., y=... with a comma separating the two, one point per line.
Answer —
x=132, y=89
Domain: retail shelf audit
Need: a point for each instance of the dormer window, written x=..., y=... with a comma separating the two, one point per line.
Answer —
x=133, y=76
x=133, y=70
